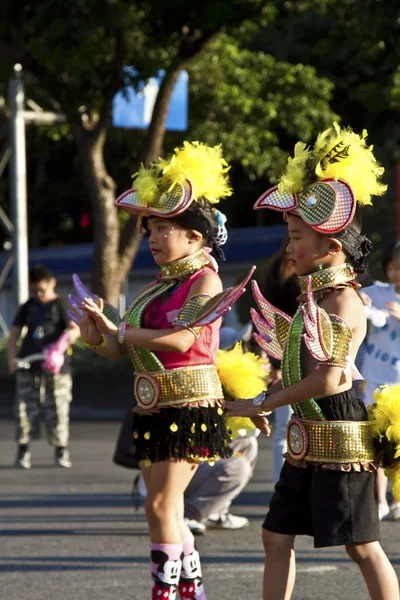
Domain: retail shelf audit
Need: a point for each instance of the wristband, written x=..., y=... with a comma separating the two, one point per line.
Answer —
x=121, y=332
x=103, y=342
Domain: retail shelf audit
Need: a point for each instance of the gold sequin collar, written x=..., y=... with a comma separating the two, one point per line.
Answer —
x=182, y=268
x=333, y=277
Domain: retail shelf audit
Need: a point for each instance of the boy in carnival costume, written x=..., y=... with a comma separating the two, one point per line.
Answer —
x=171, y=333
x=327, y=484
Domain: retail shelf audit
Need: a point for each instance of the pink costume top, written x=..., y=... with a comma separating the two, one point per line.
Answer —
x=161, y=313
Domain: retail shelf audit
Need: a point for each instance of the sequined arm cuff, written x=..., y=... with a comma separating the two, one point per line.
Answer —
x=190, y=311
x=341, y=343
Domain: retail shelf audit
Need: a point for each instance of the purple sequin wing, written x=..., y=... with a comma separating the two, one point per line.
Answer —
x=272, y=325
x=83, y=292
x=217, y=306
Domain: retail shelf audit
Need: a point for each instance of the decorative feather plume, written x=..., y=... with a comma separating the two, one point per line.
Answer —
x=242, y=374
x=146, y=182
x=337, y=154
x=293, y=178
x=343, y=154
x=203, y=165
x=384, y=418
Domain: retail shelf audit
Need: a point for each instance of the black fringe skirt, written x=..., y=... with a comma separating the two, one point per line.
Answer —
x=197, y=434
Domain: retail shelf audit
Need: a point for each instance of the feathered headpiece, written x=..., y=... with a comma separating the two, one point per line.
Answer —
x=322, y=185
x=167, y=187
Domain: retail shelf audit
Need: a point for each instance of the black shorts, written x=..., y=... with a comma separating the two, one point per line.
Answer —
x=334, y=507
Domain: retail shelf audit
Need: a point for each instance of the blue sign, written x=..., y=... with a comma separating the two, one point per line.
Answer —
x=133, y=109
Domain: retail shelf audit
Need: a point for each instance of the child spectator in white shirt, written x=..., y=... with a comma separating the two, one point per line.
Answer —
x=381, y=363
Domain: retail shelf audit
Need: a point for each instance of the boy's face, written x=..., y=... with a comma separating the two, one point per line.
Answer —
x=393, y=271
x=43, y=290
x=306, y=248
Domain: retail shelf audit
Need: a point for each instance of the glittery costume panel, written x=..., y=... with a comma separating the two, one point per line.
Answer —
x=335, y=507
x=193, y=430
x=161, y=313
x=311, y=436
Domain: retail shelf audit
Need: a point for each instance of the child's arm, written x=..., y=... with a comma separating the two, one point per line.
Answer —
x=324, y=380
x=177, y=339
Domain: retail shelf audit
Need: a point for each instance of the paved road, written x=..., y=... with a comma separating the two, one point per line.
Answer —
x=73, y=535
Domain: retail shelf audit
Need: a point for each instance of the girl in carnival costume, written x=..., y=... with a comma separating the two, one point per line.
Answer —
x=171, y=333
x=327, y=484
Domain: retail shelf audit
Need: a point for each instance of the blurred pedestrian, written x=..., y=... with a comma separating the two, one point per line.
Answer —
x=41, y=365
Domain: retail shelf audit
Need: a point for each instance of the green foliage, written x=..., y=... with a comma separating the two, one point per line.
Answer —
x=254, y=104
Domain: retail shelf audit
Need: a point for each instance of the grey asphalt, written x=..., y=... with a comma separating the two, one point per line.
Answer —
x=73, y=534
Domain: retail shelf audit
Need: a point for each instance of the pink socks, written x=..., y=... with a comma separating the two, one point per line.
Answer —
x=176, y=566
x=166, y=568
x=190, y=583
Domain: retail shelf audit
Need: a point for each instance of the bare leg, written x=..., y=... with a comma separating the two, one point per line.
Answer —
x=376, y=569
x=280, y=567
x=166, y=482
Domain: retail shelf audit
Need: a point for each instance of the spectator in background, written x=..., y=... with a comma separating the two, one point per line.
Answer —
x=381, y=361
x=41, y=393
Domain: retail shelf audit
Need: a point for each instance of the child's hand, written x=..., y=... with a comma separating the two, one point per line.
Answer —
x=262, y=424
x=103, y=324
x=366, y=300
x=89, y=332
x=394, y=309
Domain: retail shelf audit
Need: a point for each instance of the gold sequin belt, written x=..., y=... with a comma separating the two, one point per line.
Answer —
x=330, y=441
x=173, y=387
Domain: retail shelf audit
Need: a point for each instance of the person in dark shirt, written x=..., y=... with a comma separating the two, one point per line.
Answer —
x=41, y=392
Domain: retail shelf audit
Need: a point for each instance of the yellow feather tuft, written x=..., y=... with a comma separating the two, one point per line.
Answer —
x=293, y=178
x=393, y=473
x=242, y=374
x=384, y=416
x=146, y=182
x=341, y=153
x=203, y=165
x=235, y=424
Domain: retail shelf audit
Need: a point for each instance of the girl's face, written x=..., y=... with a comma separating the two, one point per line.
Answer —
x=393, y=271
x=169, y=241
x=306, y=248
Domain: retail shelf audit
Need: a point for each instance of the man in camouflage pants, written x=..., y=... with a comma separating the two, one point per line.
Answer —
x=40, y=394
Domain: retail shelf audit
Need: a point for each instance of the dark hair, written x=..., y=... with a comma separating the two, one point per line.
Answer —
x=40, y=273
x=391, y=252
x=356, y=247
x=200, y=217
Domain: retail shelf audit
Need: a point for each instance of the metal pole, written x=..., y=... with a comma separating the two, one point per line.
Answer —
x=18, y=185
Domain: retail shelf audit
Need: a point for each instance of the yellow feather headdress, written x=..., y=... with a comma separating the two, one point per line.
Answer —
x=204, y=166
x=337, y=154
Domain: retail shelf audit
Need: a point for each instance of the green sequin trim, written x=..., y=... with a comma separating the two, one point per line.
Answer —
x=291, y=369
x=143, y=359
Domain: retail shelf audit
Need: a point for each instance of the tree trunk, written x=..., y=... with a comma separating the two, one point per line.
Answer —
x=107, y=274
x=152, y=147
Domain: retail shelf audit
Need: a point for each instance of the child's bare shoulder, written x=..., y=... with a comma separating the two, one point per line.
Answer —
x=346, y=304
